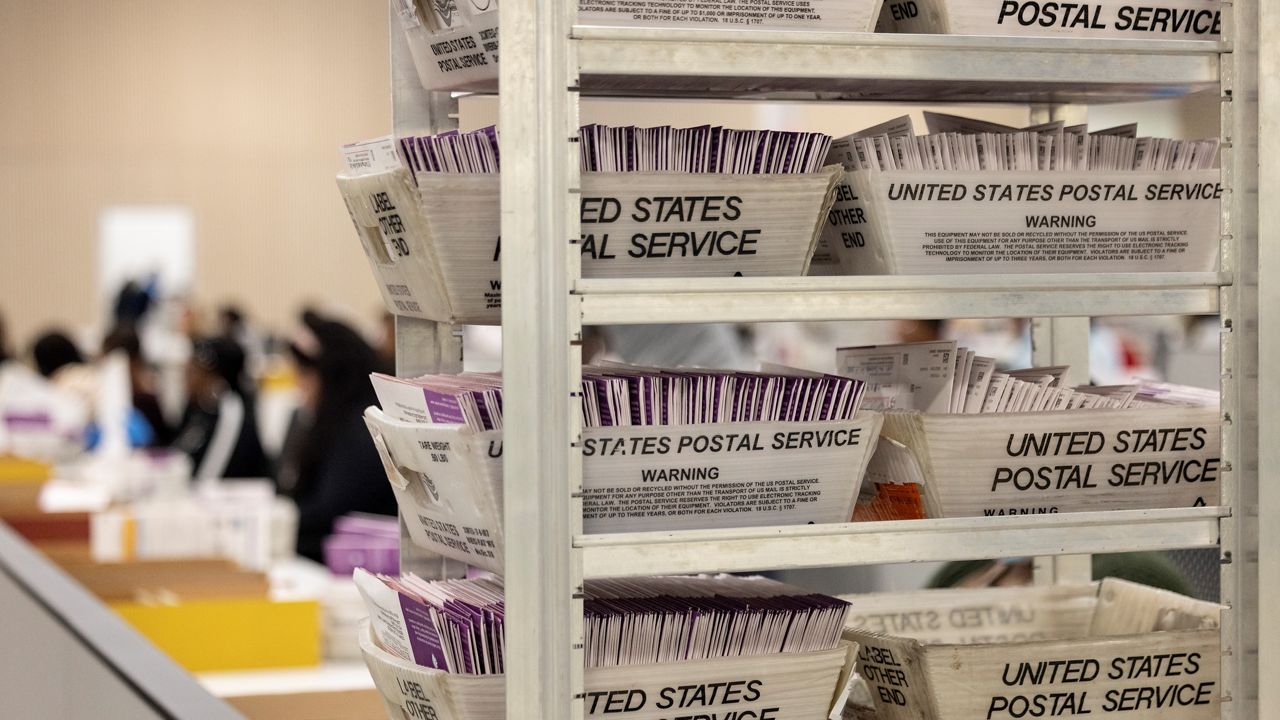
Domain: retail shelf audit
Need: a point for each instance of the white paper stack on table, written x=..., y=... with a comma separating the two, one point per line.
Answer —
x=967, y=439
x=661, y=201
x=656, y=645
x=978, y=197
x=662, y=449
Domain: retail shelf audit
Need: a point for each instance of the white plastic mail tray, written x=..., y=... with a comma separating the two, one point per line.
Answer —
x=448, y=479
x=435, y=246
x=1067, y=461
x=785, y=686
x=462, y=52
x=1148, y=654
x=908, y=222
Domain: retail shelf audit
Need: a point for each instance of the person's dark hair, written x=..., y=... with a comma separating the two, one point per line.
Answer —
x=222, y=357
x=231, y=317
x=123, y=337
x=53, y=351
x=133, y=301
x=232, y=314
x=4, y=341
x=342, y=360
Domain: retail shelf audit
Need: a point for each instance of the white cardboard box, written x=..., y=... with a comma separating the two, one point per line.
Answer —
x=1146, y=20
x=906, y=222
x=435, y=247
x=448, y=479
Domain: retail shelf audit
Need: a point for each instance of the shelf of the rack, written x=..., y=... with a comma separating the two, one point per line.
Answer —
x=881, y=66
x=873, y=543
x=886, y=297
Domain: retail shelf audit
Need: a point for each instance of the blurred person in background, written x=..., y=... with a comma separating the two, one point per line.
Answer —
x=141, y=383
x=219, y=429
x=58, y=359
x=233, y=324
x=329, y=465
x=4, y=343
x=54, y=351
x=913, y=331
x=134, y=299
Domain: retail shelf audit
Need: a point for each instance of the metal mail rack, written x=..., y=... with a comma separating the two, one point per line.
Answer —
x=548, y=63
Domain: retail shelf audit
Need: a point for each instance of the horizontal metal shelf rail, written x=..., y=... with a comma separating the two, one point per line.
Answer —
x=873, y=543
x=878, y=297
x=648, y=61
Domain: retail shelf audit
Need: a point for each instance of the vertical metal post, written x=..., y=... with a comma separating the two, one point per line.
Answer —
x=1062, y=341
x=422, y=346
x=1248, y=395
x=1266, y=534
x=541, y=326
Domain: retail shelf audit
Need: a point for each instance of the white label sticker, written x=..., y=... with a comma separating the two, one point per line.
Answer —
x=371, y=156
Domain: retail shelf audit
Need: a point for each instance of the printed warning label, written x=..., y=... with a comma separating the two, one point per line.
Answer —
x=702, y=498
x=940, y=222
x=727, y=13
x=1055, y=245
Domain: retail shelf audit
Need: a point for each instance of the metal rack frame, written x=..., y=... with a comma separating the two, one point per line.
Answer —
x=548, y=62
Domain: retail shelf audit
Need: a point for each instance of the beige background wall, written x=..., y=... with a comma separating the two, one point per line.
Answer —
x=235, y=108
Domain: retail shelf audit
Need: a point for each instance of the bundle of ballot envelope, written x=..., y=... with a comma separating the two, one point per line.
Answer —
x=457, y=625
x=653, y=647
x=955, y=143
x=662, y=148
x=618, y=394
x=943, y=377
